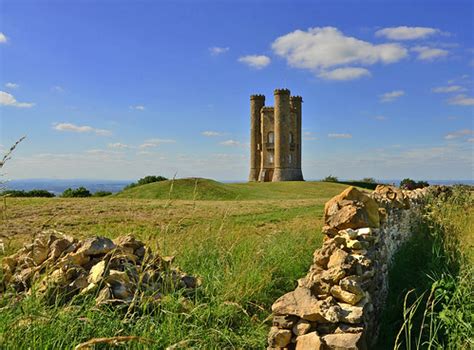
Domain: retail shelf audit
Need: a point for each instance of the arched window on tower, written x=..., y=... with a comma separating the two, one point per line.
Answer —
x=271, y=137
x=291, y=138
x=290, y=158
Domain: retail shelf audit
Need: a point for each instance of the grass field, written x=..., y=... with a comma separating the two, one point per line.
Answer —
x=430, y=303
x=248, y=242
x=205, y=189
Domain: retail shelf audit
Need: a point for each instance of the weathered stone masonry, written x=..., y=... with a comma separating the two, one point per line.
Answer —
x=275, y=138
x=337, y=305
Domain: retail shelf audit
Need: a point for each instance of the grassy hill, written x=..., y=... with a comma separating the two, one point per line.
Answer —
x=205, y=189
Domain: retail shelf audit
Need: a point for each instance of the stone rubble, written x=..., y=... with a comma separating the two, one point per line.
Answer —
x=337, y=304
x=114, y=272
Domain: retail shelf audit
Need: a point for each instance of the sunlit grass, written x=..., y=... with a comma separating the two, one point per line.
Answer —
x=248, y=253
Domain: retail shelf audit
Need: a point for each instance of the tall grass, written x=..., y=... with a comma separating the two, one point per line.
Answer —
x=243, y=268
x=431, y=305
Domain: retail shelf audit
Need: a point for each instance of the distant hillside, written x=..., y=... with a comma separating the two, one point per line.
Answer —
x=205, y=189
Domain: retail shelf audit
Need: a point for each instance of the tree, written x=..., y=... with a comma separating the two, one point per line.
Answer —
x=146, y=180
x=409, y=184
x=78, y=192
x=330, y=178
x=369, y=180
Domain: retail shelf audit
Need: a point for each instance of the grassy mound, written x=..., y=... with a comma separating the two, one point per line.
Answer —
x=205, y=189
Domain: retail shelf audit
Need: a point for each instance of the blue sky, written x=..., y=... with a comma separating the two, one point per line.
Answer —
x=122, y=89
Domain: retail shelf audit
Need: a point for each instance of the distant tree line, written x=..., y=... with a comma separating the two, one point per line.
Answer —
x=22, y=193
x=371, y=183
x=82, y=192
x=146, y=180
x=68, y=193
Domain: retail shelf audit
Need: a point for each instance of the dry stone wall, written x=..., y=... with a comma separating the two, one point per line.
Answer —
x=122, y=272
x=338, y=303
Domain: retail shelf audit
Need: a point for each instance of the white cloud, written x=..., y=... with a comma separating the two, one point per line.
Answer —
x=461, y=100
x=470, y=140
x=406, y=33
x=346, y=73
x=380, y=117
x=80, y=129
x=391, y=96
x=215, y=50
x=118, y=145
x=459, y=134
x=232, y=143
x=211, y=133
x=58, y=89
x=152, y=143
x=340, y=136
x=7, y=99
x=308, y=136
x=447, y=89
x=12, y=86
x=138, y=107
x=426, y=53
x=3, y=38
x=460, y=79
x=255, y=61
x=321, y=48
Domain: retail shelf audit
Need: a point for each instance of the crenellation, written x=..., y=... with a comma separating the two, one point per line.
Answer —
x=281, y=92
x=275, y=140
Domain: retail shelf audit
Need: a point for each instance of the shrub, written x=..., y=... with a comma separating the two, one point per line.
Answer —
x=78, y=192
x=102, y=194
x=32, y=193
x=409, y=184
x=330, y=178
x=146, y=180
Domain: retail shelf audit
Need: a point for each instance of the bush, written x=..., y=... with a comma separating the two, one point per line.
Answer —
x=330, y=178
x=146, y=180
x=78, y=192
x=409, y=184
x=32, y=193
x=369, y=180
x=102, y=194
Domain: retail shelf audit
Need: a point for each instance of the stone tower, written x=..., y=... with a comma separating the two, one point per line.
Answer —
x=275, y=138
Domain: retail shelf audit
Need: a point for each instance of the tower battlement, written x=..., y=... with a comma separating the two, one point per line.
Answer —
x=275, y=138
x=296, y=98
x=281, y=92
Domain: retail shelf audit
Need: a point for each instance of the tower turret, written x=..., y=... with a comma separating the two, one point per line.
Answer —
x=282, y=123
x=296, y=104
x=256, y=104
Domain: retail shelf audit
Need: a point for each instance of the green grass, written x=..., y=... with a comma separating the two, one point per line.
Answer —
x=248, y=253
x=430, y=303
x=205, y=189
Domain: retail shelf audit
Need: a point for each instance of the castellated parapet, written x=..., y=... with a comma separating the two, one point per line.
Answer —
x=275, y=138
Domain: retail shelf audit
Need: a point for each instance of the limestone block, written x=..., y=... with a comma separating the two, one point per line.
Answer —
x=351, y=209
x=351, y=313
x=279, y=338
x=301, y=327
x=96, y=246
x=345, y=296
x=337, y=258
x=348, y=341
x=310, y=341
x=299, y=302
x=352, y=284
